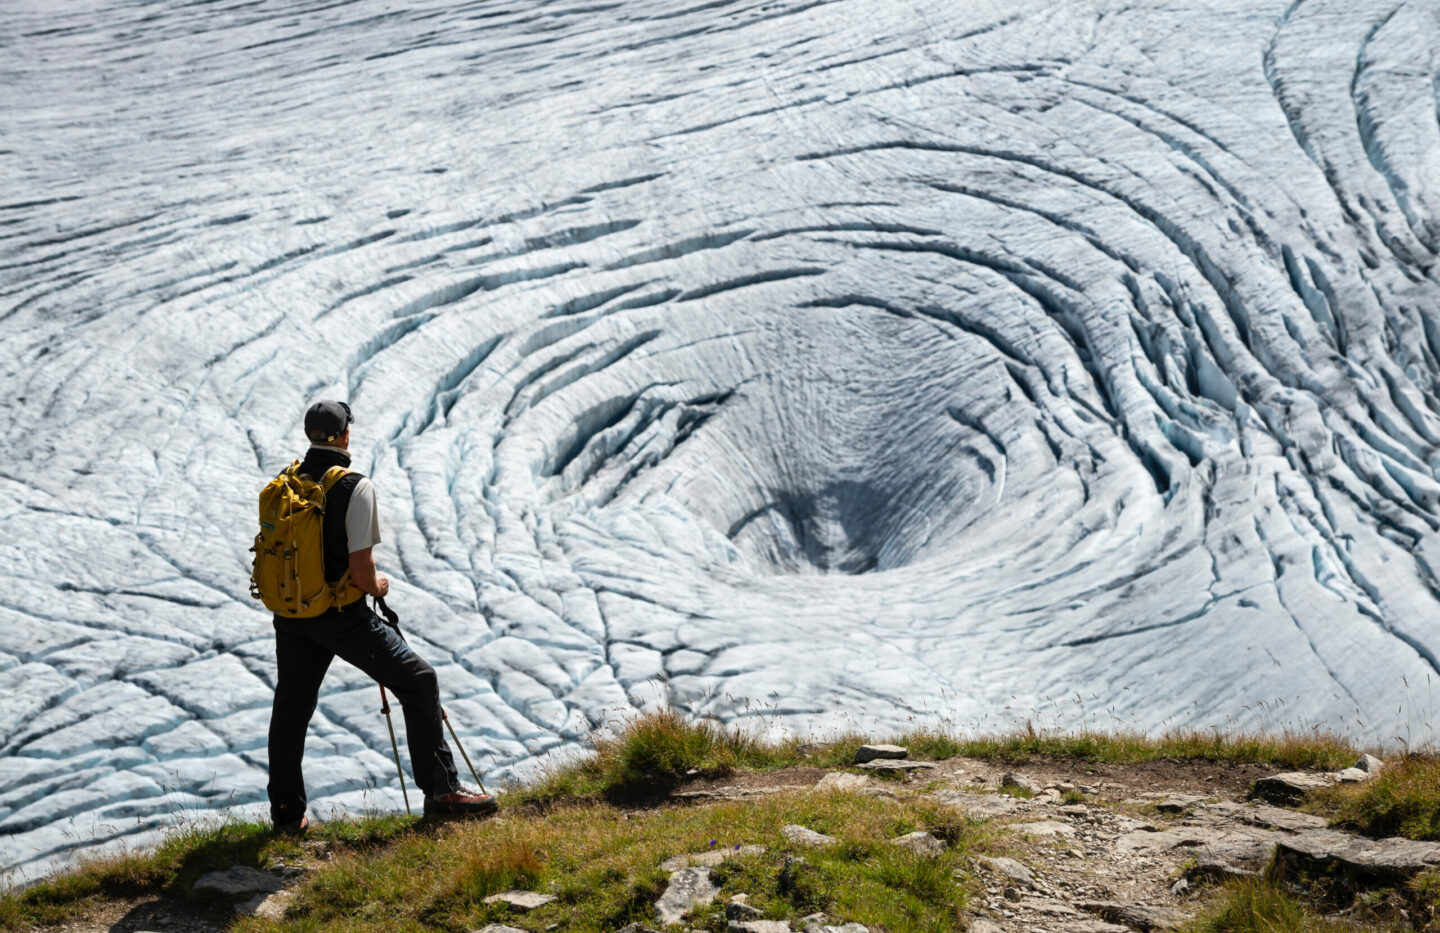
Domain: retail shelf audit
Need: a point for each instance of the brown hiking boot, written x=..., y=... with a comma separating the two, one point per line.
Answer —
x=460, y=802
x=293, y=827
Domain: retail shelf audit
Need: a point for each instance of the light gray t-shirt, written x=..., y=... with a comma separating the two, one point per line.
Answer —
x=362, y=518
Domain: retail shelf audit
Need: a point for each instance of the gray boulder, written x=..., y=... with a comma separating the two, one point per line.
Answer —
x=1369, y=764
x=920, y=843
x=871, y=752
x=708, y=859
x=1289, y=788
x=1010, y=869
x=689, y=888
x=803, y=836
x=1381, y=860
x=1019, y=781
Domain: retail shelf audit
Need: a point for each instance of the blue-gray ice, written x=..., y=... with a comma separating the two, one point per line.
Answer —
x=836, y=361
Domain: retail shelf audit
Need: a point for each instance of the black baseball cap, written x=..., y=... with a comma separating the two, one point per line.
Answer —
x=327, y=420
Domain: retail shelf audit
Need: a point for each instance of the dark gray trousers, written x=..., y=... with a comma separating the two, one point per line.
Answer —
x=304, y=649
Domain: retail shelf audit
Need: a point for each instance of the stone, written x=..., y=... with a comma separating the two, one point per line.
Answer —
x=739, y=910
x=238, y=879
x=1289, y=788
x=1369, y=764
x=844, y=782
x=838, y=928
x=871, y=752
x=521, y=900
x=1046, y=828
x=1136, y=916
x=688, y=888
x=1020, y=781
x=978, y=806
x=1383, y=860
x=803, y=836
x=1226, y=843
x=1352, y=776
x=709, y=859
x=1279, y=818
x=1011, y=894
x=1180, y=887
x=1010, y=868
x=758, y=926
x=891, y=764
x=265, y=906
x=628, y=928
x=502, y=928
x=1048, y=906
x=1210, y=868
x=920, y=843
x=1093, y=926
x=1078, y=809
x=1177, y=803
x=981, y=925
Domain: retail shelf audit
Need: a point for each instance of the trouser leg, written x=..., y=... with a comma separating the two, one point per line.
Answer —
x=379, y=651
x=300, y=664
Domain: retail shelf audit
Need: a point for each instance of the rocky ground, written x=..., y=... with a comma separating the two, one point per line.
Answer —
x=1080, y=847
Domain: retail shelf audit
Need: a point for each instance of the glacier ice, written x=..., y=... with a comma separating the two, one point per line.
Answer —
x=804, y=363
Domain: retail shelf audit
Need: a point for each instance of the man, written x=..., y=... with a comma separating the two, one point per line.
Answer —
x=304, y=648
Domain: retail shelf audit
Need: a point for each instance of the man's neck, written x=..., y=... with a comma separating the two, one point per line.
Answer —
x=331, y=448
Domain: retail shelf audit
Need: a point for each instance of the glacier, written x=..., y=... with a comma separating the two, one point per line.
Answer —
x=807, y=364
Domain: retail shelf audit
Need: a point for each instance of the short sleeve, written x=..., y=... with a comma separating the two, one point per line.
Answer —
x=362, y=518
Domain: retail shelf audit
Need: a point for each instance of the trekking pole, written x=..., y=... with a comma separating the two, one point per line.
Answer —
x=393, y=620
x=385, y=708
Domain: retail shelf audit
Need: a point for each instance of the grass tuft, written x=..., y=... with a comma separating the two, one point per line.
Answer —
x=1403, y=800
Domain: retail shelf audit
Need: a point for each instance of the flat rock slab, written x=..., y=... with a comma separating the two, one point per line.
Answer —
x=689, y=888
x=239, y=879
x=1136, y=916
x=265, y=906
x=1009, y=868
x=631, y=928
x=1093, y=926
x=1383, y=859
x=803, y=836
x=920, y=843
x=500, y=928
x=1045, y=828
x=1177, y=803
x=735, y=793
x=521, y=900
x=978, y=806
x=1289, y=788
x=708, y=859
x=981, y=925
x=838, y=928
x=841, y=781
x=872, y=752
x=1226, y=843
x=890, y=764
x=758, y=926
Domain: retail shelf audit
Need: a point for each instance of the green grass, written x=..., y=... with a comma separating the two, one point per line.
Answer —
x=1260, y=905
x=1403, y=800
x=603, y=865
x=654, y=752
x=170, y=868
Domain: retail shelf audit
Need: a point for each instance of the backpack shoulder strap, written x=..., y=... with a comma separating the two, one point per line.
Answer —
x=332, y=476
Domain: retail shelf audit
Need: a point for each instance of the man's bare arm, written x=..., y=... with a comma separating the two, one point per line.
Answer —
x=364, y=574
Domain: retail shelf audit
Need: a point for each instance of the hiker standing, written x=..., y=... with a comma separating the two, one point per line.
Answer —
x=317, y=619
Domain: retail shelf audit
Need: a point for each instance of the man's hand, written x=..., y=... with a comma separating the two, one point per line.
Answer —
x=364, y=574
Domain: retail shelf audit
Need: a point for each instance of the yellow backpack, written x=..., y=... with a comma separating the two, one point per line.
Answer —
x=289, y=572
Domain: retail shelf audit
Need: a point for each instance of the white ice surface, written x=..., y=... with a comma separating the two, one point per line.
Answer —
x=834, y=362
